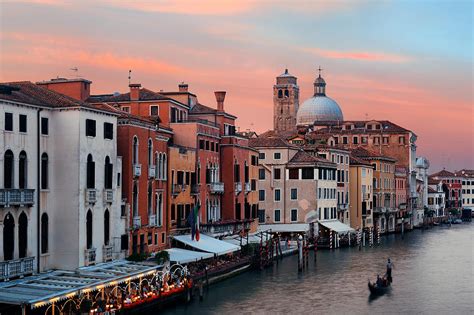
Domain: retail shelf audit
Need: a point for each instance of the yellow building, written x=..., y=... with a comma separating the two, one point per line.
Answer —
x=360, y=192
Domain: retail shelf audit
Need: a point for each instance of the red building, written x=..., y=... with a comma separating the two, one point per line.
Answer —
x=452, y=186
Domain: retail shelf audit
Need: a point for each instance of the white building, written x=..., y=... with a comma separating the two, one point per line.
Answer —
x=436, y=198
x=58, y=193
x=467, y=192
x=421, y=199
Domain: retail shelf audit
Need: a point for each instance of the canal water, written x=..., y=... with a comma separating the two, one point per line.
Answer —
x=433, y=273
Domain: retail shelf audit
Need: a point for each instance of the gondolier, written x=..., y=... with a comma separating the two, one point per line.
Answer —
x=389, y=270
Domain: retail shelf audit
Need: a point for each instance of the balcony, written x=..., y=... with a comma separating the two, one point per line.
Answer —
x=366, y=196
x=17, y=197
x=89, y=256
x=222, y=228
x=151, y=171
x=152, y=220
x=216, y=188
x=16, y=268
x=342, y=206
x=107, y=252
x=91, y=195
x=238, y=187
x=247, y=188
x=137, y=222
x=380, y=210
x=137, y=170
x=178, y=188
x=195, y=189
x=109, y=195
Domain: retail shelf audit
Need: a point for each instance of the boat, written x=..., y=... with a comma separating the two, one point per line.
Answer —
x=376, y=289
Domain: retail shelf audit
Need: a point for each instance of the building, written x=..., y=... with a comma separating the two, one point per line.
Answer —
x=65, y=180
x=467, y=188
x=452, y=187
x=285, y=102
x=401, y=197
x=436, y=198
x=360, y=192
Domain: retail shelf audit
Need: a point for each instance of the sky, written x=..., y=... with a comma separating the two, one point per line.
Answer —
x=410, y=62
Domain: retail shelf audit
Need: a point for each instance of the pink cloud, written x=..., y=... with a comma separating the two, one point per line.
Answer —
x=357, y=55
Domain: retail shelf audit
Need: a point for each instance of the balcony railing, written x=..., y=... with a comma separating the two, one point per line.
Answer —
x=151, y=171
x=195, y=189
x=342, y=206
x=216, y=188
x=225, y=227
x=137, y=170
x=89, y=256
x=238, y=187
x=152, y=220
x=107, y=252
x=248, y=188
x=137, y=222
x=109, y=195
x=91, y=195
x=16, y=268
x=17, y=197
x=380, y=210
x=178, y=188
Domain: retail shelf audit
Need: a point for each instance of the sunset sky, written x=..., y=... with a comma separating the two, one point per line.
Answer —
x=410, y=62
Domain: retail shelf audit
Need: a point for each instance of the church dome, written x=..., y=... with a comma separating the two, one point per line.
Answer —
x=319, y=107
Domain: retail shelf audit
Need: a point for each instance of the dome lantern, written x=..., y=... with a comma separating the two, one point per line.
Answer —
x=319, y=85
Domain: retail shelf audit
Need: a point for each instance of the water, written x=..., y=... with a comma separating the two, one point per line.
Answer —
x=433, y=273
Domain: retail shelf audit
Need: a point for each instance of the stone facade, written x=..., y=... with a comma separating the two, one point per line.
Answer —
x=285, y=102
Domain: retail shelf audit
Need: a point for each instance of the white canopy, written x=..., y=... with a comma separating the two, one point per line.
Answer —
x=284, y=227
x=184, y=256
x=336, y=226
x=207, y=244
x=236, y=239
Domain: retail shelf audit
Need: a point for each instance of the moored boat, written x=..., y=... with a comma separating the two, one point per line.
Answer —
x=379, y=288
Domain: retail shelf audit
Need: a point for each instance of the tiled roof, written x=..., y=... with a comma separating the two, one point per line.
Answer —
x=465, y=173
x=203, y=109
x=269, y=142
x=443, y=173
x=31, y=93
x=432, y=181
x=357, y=161
x=359, y=127
x=303, y=157
x=431, y=190
x=144, y=95
x=368, y=154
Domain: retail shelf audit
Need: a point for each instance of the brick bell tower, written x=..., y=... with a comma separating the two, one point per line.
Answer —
x=286, y=95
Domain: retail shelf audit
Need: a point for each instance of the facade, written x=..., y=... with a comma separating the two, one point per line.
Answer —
x=65, y=182
x=285, y=102
x=467, y=188
x=401, y=197
x=436, y=197
x=361, y=179
x=452, y=187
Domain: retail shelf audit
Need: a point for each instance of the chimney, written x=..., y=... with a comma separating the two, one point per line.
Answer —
x=183, y=87
x=220, y=96
x=134, y=91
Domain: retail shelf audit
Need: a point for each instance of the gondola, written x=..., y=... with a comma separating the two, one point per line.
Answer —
x=379, y=289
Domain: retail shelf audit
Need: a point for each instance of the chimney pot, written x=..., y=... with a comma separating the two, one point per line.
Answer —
x=135, y=91
x=220, y=96
x=183, y=87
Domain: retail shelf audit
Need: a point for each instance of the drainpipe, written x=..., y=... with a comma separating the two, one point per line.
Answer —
x=38, y=185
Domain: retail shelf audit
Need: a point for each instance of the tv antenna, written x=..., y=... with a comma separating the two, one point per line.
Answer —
x=129, y=76
x=75, y=70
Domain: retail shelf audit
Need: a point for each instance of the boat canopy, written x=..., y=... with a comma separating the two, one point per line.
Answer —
x=285, y=227
x=184, y=256
x=207, y=244
x=336, y=226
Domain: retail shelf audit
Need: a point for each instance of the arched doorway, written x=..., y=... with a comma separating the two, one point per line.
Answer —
x=89, y=229
x=8, y=237
x=22, y=174
x=23, y=235
x=8, y=169
x=44, y=233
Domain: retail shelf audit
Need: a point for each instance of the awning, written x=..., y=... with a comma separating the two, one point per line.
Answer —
x=236, y=239
x=184, y=256
x=285, y=227
x=336, y=226
x=207, y=244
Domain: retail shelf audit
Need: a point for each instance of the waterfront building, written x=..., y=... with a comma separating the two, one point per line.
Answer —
x=401, y=198
x=452, y=187
x=436, y=198
x=360, y=192
x=467, y=183
x=383, y=185
x=60, y=177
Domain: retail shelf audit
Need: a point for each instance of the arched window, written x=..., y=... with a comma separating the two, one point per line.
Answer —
x=135, y=200
x=165, y=167
x=89, y=229
x=22, y=170
x=150, y=199
x=108, y=169
x=150, y=152
x=23, y=235
x=287, y=94
x=8, y=237
x=44, y=171
x=135, y=150
x=159, y=210
x=280, y=93
x=157, y=164
x=8, y=169
x=44, y=233
x=90, y=172
x=106, y=227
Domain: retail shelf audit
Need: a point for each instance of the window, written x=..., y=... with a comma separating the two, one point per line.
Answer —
x=207, y=145
x=294, y=193
x=150, y=151
x=44, y=126
x=108, y=131
x=108, y=173
x=44, y=233
x=363, y=140
x=90, y=128
x=261, y=216
x=201, y=144
x=344, y=140
x=126, y=109
x=106, y=227
x=307, y=173
x=293, y=173
x=277, y=173
x=294, y=215
x=154, y=110
x=124, y=242
x=90, y=175
x=212, y=146
x=261, y=173
x=277, y=195
x=277, y=215
x=22, y=170
x=261, y=195
x=253, y=160
x=253, y=184
x=44, y=171
x=8, y=169
x=135, y=151
x=376, y=140
x=261, y=156
x=23, y=126
x=355, y=140
x=385, y=140
x=89, y=229
x=277, y=155
x=8, y=122
x=401, y=140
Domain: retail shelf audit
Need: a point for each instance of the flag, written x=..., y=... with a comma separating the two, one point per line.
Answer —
x=193, y=222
